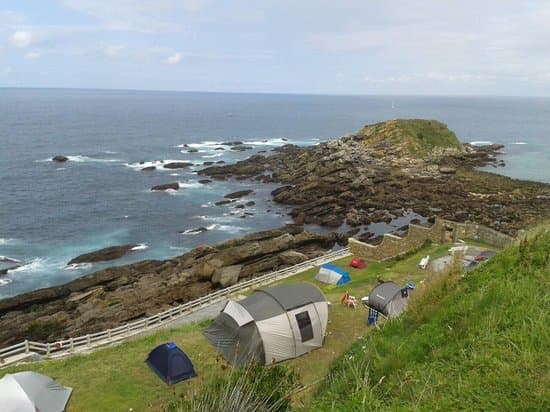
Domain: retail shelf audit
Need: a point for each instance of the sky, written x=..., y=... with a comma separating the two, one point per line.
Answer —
x=399, y=47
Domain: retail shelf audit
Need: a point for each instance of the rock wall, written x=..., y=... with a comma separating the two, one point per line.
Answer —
x=441, y=231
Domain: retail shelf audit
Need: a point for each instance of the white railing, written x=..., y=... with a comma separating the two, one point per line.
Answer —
x=19, y=350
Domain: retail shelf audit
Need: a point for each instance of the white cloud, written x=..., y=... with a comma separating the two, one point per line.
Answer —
x=112, y=50
x=6, y=71
x=32, y=55
x=174, y=58
x=21, y=39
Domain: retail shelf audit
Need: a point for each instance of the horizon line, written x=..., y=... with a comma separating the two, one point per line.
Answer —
x=276, y=93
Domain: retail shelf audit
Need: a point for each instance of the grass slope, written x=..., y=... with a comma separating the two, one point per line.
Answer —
x=478, y=342
x=416, y=137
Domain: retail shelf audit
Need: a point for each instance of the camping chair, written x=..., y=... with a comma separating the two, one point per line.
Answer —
x=373, y=316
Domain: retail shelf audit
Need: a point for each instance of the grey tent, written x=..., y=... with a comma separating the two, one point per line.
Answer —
x=271, y=325
x=31, y=391
x=389, y=299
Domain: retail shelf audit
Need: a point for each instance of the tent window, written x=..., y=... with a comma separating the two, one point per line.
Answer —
x=304, y=323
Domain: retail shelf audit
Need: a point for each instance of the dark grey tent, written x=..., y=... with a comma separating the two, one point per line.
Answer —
x=389, y=299
x=271, y=325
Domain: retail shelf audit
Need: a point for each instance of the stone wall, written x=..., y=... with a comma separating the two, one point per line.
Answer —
x=442, y=231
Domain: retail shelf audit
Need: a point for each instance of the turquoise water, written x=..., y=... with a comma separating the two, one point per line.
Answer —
x=50, y=213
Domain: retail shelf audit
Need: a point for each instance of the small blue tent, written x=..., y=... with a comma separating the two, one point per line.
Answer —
x=332, y=274
x=170, y=363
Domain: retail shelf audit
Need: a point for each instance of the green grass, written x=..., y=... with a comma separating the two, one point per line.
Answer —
x=478, y=342
x=117, y=378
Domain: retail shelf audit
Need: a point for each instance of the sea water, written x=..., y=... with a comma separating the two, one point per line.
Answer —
x=51, y=212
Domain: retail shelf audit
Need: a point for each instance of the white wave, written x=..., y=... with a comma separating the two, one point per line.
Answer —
x=110, y=152
x=60, y=168
x=481, y=143
x=195, y=231
x=186, y=151
x=4, y=282
x=519, y=143
x=210, y=156
x=190, y=185
x=207, y=204
x=174, y=174
x=78, y=266
x=228, y=228
x=279, y=141
x=81, y=158
x=35, y=265
x=5, y=241
x=8, y=259
x=141, y=246
x=157, y=163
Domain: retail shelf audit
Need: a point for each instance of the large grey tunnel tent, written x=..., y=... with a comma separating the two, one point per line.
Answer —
x=271, y=325
x=31, y=391
x=389, y=299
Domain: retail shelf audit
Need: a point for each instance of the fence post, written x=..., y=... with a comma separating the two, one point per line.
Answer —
x=48, y=349
x=71, y=344
x=27, y=346
x=88, y=340
x=146, y=322
x=109, y=334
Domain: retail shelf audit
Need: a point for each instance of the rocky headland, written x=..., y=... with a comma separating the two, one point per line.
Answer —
x=386, y=170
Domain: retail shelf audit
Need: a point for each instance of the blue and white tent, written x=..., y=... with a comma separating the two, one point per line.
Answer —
x=332, y=274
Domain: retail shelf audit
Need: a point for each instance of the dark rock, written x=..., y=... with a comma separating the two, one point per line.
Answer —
x=149, y=168
x=241, y=148
x=205, y=181
x=172, y=186
x=234, y=143
x=192, y=150
x=250, y=203
x=208, y=163
x=194, y=231
x=239, y=207
x=219, y=148
x=108, y=253
x=224, y=202
x=239, y=194
x=177, y=165
x=220, y=162
x=60, y=158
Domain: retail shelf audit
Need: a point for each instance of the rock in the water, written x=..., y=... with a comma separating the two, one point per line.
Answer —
x=177, y=165
x=234, y=143
x=108, y=253
x=241, y=148
x=250, y=203
x=173, y=186
x=205, y=181
x=223, y=202
x=60, y=158
x=239, y=194
x=193, y=231
x=149, y=168
x=192, y=150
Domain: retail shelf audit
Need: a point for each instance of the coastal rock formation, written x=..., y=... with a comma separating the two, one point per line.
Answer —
x=113, y=296
x=60, y=158
x=171, y=186
x=388, y=169
x=149, y=168
x=177, y=165
x=239, y=194
x=108, y=253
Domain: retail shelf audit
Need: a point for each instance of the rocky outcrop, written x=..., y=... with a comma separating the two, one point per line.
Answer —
x=177, y=165
x=149, y=168
x=171, y=186
x=117, y=295
x=60, y=158
x=239, y=194
x=387, y=169
x=102, y=255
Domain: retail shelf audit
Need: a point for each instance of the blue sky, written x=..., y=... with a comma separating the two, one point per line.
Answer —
x=493, y=47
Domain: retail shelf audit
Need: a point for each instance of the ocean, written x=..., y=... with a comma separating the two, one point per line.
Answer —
x=51, y=212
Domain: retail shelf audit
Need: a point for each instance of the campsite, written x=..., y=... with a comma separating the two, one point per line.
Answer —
x=117, y=377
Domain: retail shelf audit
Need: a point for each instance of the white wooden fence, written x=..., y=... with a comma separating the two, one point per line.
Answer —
x=24, y=349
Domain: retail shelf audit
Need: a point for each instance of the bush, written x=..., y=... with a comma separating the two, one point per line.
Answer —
x=250, y=389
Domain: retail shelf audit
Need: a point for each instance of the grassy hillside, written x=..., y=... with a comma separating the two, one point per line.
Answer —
x=478, y=342
x=415, y=137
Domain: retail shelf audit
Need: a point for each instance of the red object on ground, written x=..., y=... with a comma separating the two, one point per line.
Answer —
x=358, y=263
x=344, y=298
